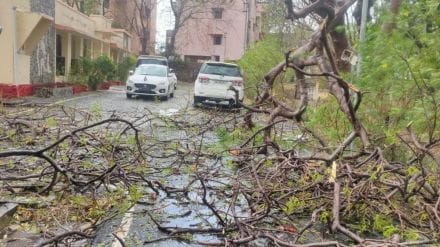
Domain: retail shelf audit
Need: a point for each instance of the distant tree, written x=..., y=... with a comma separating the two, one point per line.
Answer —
x=274, y=23
x=135, y=17
x=87, y=7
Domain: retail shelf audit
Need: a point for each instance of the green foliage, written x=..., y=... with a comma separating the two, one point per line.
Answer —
x=124, y=67
x=90, y=7
x=293, y=205
x=329, y=121
x=92, y=72
x=51, y=122
x=401, y=72
x=324, y=216
x=258, y=60
x=135, y=193
x=80, y=70
x=384, y=225
x=230, y=139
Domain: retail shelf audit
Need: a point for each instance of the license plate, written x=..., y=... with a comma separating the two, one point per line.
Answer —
x=219, y=81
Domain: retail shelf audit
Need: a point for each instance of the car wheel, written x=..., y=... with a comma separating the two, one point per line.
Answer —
x=197, y=100
x=232, y=104
x=129, y=95
x=166, y=97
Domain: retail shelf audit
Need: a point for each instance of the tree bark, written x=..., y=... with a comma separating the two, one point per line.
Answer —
x=394, y=9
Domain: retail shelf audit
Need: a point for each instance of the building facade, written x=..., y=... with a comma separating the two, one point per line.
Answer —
x=221, y=32
x=28, y=33
x=139, y=18
x=42, y=38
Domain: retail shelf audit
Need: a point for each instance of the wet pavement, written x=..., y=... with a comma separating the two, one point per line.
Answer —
x=115, y=100
x=136, y=227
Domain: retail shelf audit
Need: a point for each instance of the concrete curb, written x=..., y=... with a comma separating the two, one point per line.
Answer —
x=7, y=210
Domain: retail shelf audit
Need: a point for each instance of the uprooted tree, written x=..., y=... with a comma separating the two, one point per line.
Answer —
x=369, y=188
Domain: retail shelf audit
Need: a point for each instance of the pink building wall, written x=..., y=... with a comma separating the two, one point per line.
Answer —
x=195, y=38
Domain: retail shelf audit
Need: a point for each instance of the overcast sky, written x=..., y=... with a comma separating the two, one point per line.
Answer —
x=164, y=21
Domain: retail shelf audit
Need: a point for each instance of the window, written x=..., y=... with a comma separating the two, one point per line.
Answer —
x=217, y=39
x=217, y=13
x=151, y=69
x=59, y=46
x=221, y=69
x=216, y=58
x=126, y=39
x=106, y=4
x=195, y=59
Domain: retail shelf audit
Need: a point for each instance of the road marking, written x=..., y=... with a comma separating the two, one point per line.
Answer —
x=114, y=91
x=52, y=104
x=123, y=229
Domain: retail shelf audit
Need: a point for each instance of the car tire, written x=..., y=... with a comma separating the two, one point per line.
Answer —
x=231, y=104
x=165, y=98
x=197, y=100
x=129, y=95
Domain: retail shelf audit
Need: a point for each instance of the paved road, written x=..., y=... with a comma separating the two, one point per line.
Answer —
x=116, y=100
x=136, y=227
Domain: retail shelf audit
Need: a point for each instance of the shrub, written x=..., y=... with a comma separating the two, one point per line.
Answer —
x=92, y=72
x=104, y=68
x=122, y=69
x=258, y=60
x=80, y=70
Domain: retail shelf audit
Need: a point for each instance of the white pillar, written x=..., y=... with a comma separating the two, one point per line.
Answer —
x=81, y=47
x=69, y=53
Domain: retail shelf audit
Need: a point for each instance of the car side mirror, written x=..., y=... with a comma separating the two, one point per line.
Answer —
x=171, y=71
x=130, y=72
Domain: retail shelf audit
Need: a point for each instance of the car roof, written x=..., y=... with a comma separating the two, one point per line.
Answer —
x=220, y=63
x=150, y=64
x=152, y=56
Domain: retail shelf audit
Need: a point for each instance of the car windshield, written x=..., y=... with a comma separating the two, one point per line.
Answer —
x=153, y=70
x=221, y=69
x=151, y=61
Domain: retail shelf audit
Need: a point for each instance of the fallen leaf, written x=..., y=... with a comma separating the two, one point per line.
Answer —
x=234, y=152
x=289, y=228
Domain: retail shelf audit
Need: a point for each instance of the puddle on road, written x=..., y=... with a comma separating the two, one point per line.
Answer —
x=176, y=210
x=168, y=112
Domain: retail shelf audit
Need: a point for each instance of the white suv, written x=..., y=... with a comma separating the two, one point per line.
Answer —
x=214, y=81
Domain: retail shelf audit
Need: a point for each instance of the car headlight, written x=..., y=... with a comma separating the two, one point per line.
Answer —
x=130, y=82
x=161, y=83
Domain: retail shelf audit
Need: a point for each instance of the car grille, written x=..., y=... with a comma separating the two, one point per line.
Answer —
x=145, y=91
x=145, y=86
